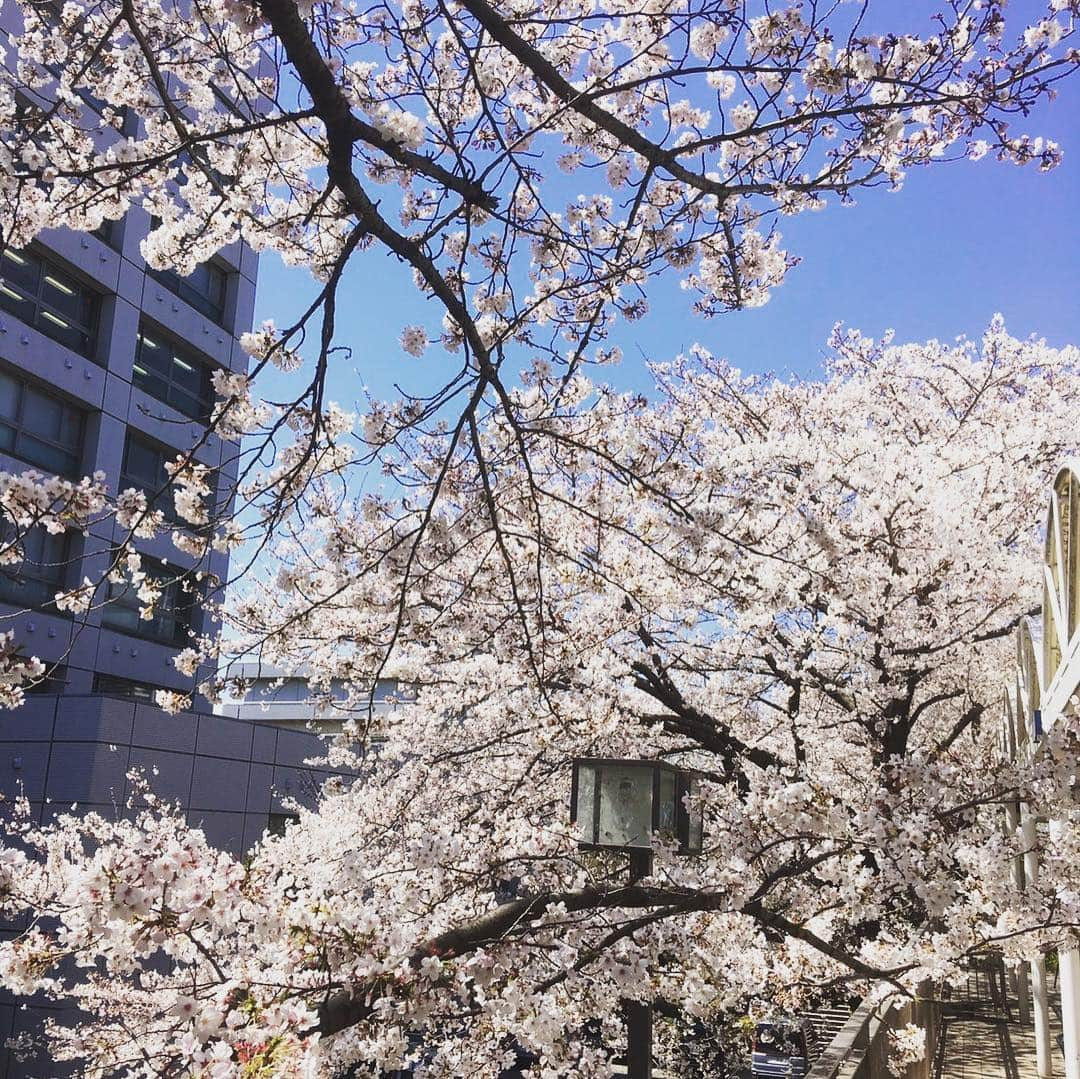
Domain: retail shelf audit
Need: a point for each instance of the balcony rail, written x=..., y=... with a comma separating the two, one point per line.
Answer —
x=861, y=1048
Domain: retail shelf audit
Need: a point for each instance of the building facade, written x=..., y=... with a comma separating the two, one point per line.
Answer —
x=106, y=366
x=1040, y=692
x=270, y=694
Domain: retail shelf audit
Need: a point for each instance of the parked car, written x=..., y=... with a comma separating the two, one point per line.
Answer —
x=784, y=1046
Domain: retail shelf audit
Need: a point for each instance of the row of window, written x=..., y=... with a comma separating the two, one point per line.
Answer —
x=46, y=432
x=204, y=288
x=44, y=570
x=37, y=290
x=163, y=368
x=173, y=374
x=110, y=685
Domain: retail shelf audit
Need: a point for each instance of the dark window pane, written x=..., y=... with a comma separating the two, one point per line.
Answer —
x=41, y=572
x=143, y=464
x=189, y=404
x=69, y=431
x=17, y=304
x=63, y=297
x=107, y=232
x=145, y=469
x=37, y=291
x=21, y=270
x=173, y=374
x=121, y=614
x=187, y=373
x=47, y=455
x=204, y=289
x=60, y=329
x=42, y=414
x=9, y=397
x=152, y=353
x=151, y=382
x=38, y=428
x=171, y=618
x=112, y=685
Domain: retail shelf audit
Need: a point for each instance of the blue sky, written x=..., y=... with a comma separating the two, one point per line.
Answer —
x=960, y=242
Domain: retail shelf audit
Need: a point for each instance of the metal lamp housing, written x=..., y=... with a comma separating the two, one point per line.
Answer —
x=622, y=804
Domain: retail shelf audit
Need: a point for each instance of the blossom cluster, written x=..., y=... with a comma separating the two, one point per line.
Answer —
x=457, y=136
x=805, y=591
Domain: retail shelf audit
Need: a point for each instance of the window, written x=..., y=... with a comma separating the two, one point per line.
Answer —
x=172, y=614
x=34, y=289
x=290, y=691
x=204, y=288
x=111, y=685
x=40, y=574
x=172, y=374
x=108, y=232
x=39, y=428
x=145, y=469
x=51, y=13
x=276, y=823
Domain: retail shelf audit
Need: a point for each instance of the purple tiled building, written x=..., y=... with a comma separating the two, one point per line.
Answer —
x=106, y=365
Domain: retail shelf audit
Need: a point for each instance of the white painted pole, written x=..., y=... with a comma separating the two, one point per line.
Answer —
x=1069, y=983
x=1043, y=1063
x=1019, y=974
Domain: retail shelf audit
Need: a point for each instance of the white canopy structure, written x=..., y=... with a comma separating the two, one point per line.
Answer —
x=1040, y=691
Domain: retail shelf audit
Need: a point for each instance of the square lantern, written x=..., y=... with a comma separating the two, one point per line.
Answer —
x=619, y=805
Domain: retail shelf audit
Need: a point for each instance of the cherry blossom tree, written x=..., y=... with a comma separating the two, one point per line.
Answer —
x=804, y=590
x=531, y=169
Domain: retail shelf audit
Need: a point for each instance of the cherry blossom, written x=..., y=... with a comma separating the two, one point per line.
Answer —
x=806, y=590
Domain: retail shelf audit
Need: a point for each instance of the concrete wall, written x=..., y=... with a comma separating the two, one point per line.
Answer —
x=861, y=1049
x=228, y=774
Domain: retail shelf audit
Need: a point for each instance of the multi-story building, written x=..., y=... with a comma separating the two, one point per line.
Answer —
x=106, y=365
x=269, y=694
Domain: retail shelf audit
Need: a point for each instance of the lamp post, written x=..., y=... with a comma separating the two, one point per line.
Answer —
x=623, y=805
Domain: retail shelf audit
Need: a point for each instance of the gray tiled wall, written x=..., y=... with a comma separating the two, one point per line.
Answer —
x=227, y=774
x=64, y=749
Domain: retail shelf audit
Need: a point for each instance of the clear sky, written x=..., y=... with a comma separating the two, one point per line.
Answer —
x=960, y=242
